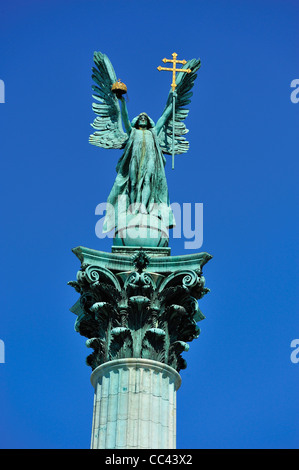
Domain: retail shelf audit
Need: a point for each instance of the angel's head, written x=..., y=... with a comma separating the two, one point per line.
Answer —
x=143, y=121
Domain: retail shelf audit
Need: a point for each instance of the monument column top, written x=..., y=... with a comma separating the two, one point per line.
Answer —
x=129, y=362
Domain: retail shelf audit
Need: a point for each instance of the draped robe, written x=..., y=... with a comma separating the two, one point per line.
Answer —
x=141, y=181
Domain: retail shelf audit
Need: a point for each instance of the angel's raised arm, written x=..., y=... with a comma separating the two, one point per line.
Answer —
x=164, y=118
x=125, y=115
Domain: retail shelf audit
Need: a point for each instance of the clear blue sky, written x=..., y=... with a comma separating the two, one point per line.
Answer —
x=240, y=389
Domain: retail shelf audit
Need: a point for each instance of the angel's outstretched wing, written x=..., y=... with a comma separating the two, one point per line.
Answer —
x=109, y=132
x=184, y=82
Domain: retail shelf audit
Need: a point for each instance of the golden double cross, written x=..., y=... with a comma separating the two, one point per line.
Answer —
x=174, y=69
x=174, y=61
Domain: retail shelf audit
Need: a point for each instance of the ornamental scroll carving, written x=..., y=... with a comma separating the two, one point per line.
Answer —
x=138, y=313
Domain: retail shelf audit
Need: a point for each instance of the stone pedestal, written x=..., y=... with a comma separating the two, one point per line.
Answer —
x=138, y=309
x=134, y=405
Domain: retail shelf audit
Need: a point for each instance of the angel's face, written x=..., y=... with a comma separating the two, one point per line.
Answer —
x=142, y=120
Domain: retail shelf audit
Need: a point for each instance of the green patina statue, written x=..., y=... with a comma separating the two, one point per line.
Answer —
x=139, y=195
x=138, y=301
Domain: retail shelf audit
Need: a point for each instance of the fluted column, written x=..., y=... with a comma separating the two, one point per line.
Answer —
x=138, y=310
x=134, y=405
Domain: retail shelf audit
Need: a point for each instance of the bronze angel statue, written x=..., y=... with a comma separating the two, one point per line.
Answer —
x=140, y=189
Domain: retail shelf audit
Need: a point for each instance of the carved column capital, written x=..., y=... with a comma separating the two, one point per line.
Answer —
x=138, y=305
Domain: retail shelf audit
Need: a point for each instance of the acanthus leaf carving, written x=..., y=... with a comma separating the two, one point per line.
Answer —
x=139, y=313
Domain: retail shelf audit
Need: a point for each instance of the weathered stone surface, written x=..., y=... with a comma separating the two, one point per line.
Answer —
x=134, y=405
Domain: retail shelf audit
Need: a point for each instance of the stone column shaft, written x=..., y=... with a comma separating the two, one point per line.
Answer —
x=134, y=405
x=138, y=310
